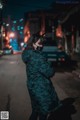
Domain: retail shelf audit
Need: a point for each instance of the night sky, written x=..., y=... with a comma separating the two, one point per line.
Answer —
x=17, y=8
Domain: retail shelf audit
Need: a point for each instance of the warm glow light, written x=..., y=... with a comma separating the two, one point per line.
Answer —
x=59, y=31
x=11, y=35
x=26, y=38
x=10, y=46
x=4, y=35
x=7, y=38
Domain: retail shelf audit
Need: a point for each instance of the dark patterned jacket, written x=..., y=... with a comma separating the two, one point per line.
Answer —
x=42, y=93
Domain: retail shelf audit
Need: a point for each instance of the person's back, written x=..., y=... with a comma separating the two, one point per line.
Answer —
x=42, y=93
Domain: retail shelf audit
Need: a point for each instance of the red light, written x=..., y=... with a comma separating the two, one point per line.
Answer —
x=62, y=59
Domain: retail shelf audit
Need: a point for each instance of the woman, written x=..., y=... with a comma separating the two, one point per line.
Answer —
x=42, y=93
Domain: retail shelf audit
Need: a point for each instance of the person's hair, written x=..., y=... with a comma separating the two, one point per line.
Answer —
x=33, y=39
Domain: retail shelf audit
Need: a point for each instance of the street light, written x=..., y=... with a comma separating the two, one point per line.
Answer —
x=11, y=35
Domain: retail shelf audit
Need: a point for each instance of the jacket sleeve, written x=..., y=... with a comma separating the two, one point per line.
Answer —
x=45, y=68
x=24, y=56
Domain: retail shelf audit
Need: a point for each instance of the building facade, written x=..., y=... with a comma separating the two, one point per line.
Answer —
x=60, y=20
x=13, y=32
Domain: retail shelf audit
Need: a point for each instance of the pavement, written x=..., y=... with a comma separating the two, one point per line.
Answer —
x=17, y=52
x=77, y=71
x=14, y=96
x=69, y=93
x=68, y=89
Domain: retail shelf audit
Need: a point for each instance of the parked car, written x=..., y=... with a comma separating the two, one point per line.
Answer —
x=7, y=51
x=1, y=53
x=54, y=54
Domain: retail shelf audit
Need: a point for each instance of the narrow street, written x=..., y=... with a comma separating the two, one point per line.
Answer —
x=14, y=96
